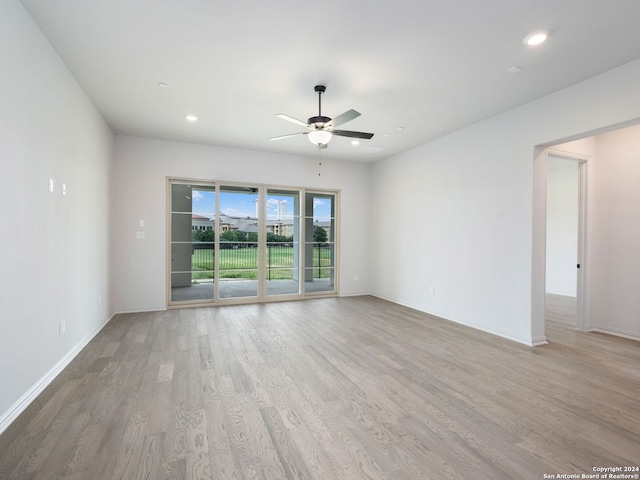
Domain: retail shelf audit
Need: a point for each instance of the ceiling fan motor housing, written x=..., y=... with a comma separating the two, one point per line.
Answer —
x=319, y=121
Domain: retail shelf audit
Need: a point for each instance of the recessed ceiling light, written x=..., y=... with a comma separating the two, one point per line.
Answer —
x=515, y=69
x=535, y=38
x=355, y=142
x=191, y=118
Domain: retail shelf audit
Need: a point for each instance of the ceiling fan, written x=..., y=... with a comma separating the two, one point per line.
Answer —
x=321, y=128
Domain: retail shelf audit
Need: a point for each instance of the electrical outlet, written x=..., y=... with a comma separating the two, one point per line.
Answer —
x=62, y=327
x=99, y=300
x=432, y=291
x=355, y=277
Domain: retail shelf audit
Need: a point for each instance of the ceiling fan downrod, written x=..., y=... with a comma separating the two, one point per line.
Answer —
x=319, y=120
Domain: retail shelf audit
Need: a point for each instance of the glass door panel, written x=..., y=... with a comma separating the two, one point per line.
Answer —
x=238, y=246
x=282, y=255
x=319, y=247
x=192, y=242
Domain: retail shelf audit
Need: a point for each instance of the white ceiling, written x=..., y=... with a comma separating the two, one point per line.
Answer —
x=414, y=69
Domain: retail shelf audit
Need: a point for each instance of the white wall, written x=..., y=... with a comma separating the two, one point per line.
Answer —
x=458, y=213
x=142, y=166
x=55, y=249
x=562, y=226
x=615, y=303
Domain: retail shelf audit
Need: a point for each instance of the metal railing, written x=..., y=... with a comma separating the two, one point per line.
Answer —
x=238, y=256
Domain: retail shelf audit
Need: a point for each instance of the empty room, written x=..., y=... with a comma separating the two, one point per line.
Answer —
x=354, y=240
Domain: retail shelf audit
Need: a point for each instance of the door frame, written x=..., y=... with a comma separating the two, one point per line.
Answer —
x=262, y=297
x=582, y=312
x=583, y=274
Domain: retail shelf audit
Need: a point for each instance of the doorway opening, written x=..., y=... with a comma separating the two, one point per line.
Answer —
x=608, y=235
x=565, y=237
x=539, y=292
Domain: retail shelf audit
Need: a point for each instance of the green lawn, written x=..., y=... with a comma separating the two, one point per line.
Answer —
x=243, y=263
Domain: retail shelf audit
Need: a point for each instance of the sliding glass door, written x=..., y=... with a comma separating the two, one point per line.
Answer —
x=191, y=262
x=320, y=245
x=238, y=224
x=246, y=243
x=282, y=254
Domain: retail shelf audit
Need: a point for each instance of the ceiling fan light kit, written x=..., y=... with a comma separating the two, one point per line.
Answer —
x=322, y=128
x=320, y=137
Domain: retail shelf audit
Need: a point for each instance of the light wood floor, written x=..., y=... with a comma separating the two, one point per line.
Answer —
x=561, y=309
x=346, y=388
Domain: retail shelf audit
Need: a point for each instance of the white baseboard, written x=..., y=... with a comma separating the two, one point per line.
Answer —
x=142, y=310
x=617, y=332
x=537, y=341
x=529, y=341
x=347, y=295
x=8, y=417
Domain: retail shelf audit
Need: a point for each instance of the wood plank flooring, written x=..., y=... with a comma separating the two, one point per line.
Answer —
x=561, y=309
x=337, y=388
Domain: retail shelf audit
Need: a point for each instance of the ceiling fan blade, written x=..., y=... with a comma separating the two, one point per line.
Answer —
x=348, y=133
x=288, y=136
x=342, y=118
x=286, y=117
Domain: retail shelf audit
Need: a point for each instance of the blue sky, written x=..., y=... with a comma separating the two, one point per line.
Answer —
x=244, y=205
